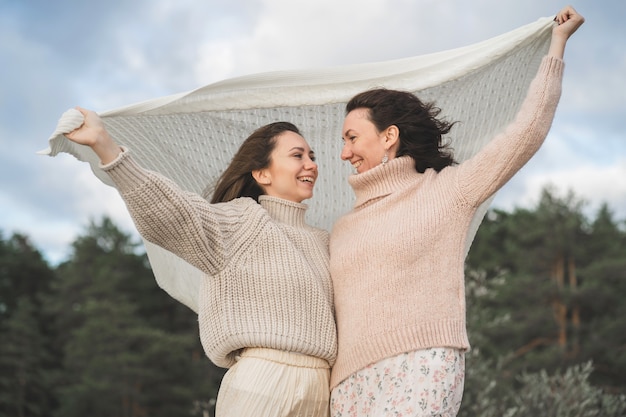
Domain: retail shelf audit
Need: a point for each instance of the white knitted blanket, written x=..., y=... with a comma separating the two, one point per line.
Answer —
x=191, y=137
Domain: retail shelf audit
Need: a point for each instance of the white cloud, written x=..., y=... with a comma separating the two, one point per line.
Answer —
x=145, y=49
x=596, y=89
x=595, y=184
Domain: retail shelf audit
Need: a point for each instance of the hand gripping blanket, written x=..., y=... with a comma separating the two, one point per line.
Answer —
x=191, y=137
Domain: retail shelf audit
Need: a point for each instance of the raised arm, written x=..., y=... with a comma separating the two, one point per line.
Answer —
x=182, y=222
x=568, y=21
x=486, y=172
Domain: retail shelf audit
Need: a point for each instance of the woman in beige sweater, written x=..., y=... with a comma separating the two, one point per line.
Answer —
x=397, y=258
x=266, y=305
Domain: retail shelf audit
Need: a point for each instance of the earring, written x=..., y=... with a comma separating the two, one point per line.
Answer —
x=385, y=159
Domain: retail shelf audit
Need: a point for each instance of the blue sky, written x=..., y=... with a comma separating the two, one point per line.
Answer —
x=55, y=55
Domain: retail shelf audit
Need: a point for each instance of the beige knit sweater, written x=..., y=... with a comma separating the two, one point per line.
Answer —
x=397, y=258
x=267, y=279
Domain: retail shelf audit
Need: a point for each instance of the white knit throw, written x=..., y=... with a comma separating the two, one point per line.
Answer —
x=191, y=137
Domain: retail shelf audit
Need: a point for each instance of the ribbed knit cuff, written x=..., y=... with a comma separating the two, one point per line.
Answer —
x=125, y=172
x=552, y=65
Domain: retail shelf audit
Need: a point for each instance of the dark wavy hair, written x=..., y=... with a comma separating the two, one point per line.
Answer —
x=253, y=154
x=421, y=131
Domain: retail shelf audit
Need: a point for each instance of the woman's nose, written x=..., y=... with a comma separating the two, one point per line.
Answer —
x=310, y=164
x=346, y=152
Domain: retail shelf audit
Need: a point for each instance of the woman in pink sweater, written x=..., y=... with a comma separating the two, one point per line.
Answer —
x=397, y=258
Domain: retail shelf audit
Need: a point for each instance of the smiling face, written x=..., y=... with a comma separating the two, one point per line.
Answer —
x=363, y=145
x=292, y=171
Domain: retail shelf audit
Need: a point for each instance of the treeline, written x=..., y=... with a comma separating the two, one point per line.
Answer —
x=546, y=291
x=95, y=336
x=546, y=294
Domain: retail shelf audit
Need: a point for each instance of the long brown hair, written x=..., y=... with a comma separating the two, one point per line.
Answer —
x=253, y=154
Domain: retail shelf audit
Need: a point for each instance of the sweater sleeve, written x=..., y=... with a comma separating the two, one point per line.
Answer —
x=482, y=175
x=181, y=222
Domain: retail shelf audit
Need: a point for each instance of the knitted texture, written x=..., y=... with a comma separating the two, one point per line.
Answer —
x=397, y=258
x=191, y=137
x=266, y=281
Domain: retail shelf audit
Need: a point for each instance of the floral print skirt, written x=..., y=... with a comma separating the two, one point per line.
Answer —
x=425, y=382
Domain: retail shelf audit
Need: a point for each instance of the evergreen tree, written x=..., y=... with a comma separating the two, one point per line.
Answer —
x=601, y=301
x=27, y=356
x=129, y=349
x=23, y=272
x=545, y=291
x=25, y=381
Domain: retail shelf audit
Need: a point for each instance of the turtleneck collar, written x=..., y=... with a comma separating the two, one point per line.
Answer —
x=382, y=180
x=284, y=211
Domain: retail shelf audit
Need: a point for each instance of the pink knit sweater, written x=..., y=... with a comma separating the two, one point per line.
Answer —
x=397, y=259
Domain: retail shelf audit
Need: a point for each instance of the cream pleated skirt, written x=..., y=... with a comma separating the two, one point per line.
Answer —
x=274, y=383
